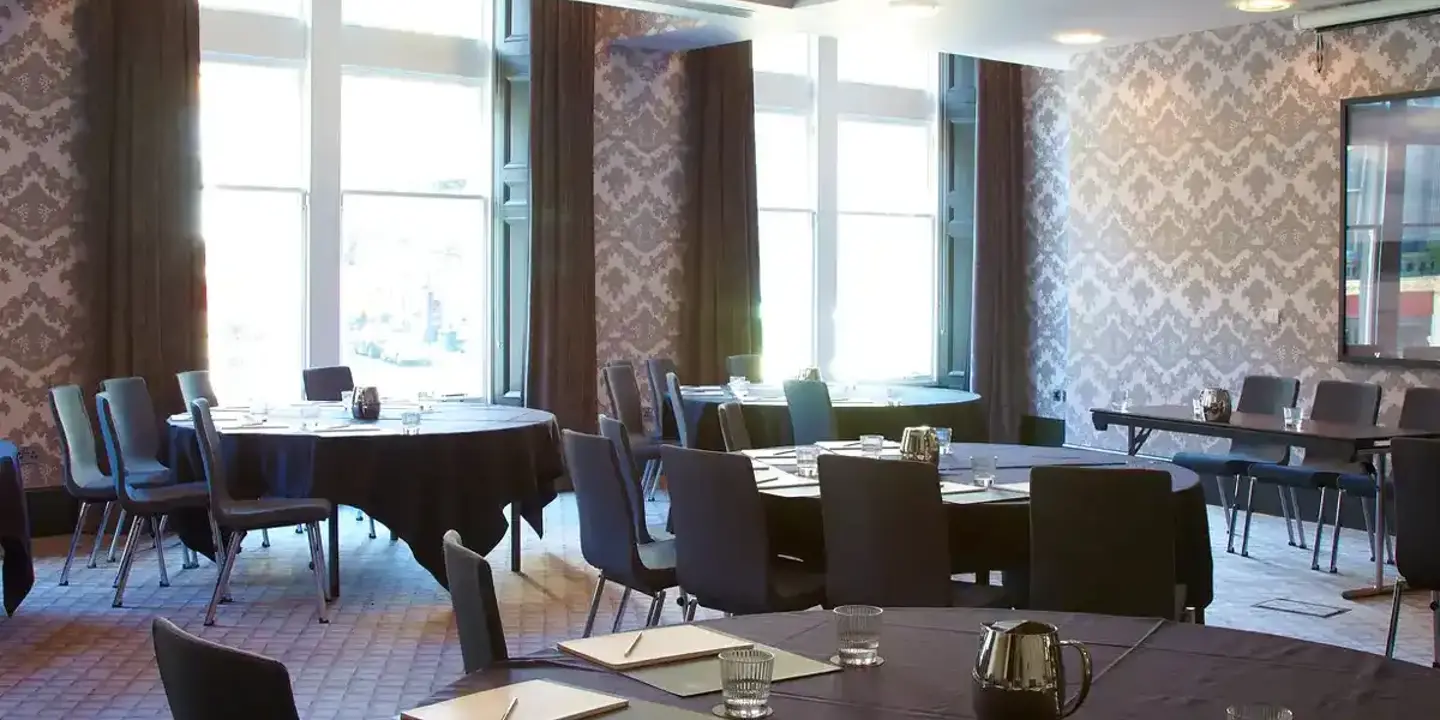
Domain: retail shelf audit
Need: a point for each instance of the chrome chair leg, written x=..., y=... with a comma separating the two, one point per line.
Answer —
x=657, y=606
x=134, y=525
x=1285, y=512
x=620, y=611
x=100, y=536
x=222, y=579
x=1320, y=529
x=74, y=543
x=1225, y=501
x=265, y=538
x=1389, y=541
x=158, y=525
x=1234, y=516
x=1434, y=629
x=359, y=515
x=594, y=605
x=654, y=470
x=1369, y=527
x=372, y=528
x=1335, y=537
x=313, y=530
x=690, y=607
x=299, y=529
x=127, y=558
x=1394, y=619
x=1299, y=519
x=1249, y=513
x=215, y=540
x=115, y=539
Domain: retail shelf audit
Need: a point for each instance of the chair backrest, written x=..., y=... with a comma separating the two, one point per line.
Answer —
x=615, y=431
x=1416, y=475
x=477, y=610
x=812, y=417
x=327, y=383
x=885, y=533
x=732, y=427
x=656, y=370
x=110, y=437
x=78, y=461
x=746, y=366
x=208, y=681
x=1349, y=403
x=722, y=550
x=607, y=533
x=138, y=430
x=1102, y=540
x=1421, y=410
x=195, y=384
x=677, y=406
x=624, y=392
x=1265, y=395
x=208, y=438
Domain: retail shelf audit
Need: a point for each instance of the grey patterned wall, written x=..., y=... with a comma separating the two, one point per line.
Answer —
x=1203, y=189
x=639, y=187
x=40, y=255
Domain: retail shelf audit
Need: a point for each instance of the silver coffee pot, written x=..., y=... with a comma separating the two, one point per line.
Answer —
x=365, y=405
x=1018, y=672
x=920, y=444
x=1215, y=404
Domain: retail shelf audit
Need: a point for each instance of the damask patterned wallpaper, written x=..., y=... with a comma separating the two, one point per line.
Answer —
x=1203, y=188
x=639, y=188
x=40, y=255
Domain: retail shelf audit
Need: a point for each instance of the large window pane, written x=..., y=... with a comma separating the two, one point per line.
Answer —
x=783, y=165
x=252, y=125
x=409, y=135
x=887, y=63
x=787, y=291
x=885, y=297
x=462, y=18
x=283, y=8
x=886, y=167
x=786, y=54
x=254, y=274
x=413, y=292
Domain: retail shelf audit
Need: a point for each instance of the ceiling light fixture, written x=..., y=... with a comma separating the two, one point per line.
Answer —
x=916, y=9
x=1263, y=6
x=1079, y=37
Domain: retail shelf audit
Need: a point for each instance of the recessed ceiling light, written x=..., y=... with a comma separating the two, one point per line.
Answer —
x=1263, y=6
x=1079, y=37
x=915, y=8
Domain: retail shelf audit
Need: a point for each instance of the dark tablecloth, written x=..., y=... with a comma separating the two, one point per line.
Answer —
x=19, y=570
x=1144, y=669
x=768, y=419
x=470, y=461
x=996, y=535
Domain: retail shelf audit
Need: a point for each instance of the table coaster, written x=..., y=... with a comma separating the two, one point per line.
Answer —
x=701, y=676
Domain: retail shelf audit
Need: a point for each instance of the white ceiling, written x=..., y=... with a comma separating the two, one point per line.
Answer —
x=1019, y=31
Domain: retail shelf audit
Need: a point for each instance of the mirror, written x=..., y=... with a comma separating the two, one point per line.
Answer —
x=1390, y=282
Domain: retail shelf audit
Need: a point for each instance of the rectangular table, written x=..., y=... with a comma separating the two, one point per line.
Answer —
x=1355, y=440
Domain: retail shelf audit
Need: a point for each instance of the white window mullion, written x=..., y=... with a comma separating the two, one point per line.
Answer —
x=323, y=248
x=826, y=202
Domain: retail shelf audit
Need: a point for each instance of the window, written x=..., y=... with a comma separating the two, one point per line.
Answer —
x=346, y=204
x=846, y=172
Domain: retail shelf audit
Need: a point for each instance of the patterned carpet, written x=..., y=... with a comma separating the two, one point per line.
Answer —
x=392, y=640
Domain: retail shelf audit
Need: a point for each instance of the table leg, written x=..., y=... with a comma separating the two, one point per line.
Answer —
x=334, y=551
x=1379, y=587
x=515, y=537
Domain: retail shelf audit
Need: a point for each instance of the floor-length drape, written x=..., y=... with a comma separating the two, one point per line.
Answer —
x=141, y=169
x=999, y=309
x=721, y=300
x=560, y=373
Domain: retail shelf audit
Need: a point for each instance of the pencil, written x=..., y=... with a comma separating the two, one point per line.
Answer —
x=634, y=643
x=513, y=702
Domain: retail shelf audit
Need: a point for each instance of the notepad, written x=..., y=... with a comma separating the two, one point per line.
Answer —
x=701, y=676
x=659, y=645
x=535, y=700
x=954, y=488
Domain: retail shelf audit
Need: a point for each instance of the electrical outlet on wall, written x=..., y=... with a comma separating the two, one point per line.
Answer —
x=1272, y=315
x=1057, y=395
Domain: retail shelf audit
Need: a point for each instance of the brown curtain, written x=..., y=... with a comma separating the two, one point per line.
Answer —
x=560, y=373
x=141, y=168
x=721, y=301
x=999, y=311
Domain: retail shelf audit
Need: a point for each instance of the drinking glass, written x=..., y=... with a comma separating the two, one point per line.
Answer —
x=806, y=459
x=942, y=436
x=1199, y=409
x=745, y=677
x=260, y=410
x=872, y=445
x=739, y=386
x=983, y=469
x=410, y=423
x=347, y=398
x=1258, y=712
x=309, y=415
x=426, y=400
x=1292, y=417
x=1122, y=401
x=857, y=627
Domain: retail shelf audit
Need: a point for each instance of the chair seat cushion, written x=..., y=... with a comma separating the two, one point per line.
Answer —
x=149, y=478
x=1299, y=476
x=644, y=447
x=1357, y=484
x=795, y=585
x=657, y=571
x=1219, y=465
x=970, y=595
x=167, y=498
x=92, y=487
x=273, y=512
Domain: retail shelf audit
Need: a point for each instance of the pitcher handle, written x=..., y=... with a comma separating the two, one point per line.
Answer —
x=1085, y=674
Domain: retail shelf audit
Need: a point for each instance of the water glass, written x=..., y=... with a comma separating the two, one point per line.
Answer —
x=1122, y=401
x=982, y=467
x=857, y=627
x=1292, y=417
x=745, y=677
x=1258, y=712
x=347, y=398
x=942, y=436
x=426, y=400
x=1199, y=409
x=410, y=423
x=872, y=445
x=739, y=386
x=260, y=410
x=807, y=457
x=309, y=415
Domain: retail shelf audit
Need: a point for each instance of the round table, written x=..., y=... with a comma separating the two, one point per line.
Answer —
x=1143, y=669
x=864, y=410
x=991, y=530
x=468, y=461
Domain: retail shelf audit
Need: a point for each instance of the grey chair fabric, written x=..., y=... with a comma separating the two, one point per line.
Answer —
x=1421, y=409
x=327, y=383
x=733, y=430
x=887, y=535
x=685, y=433
x=477, y=610
x=208, y=681
x=138, y=429
x=195, y=384
x=746, y=366
x=656, y=369
x=623, y=392
x=1102, y=540
x=1416, y=477
x=722, y=550
x=79, y=463
x=615, y=432
x=812, y=417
